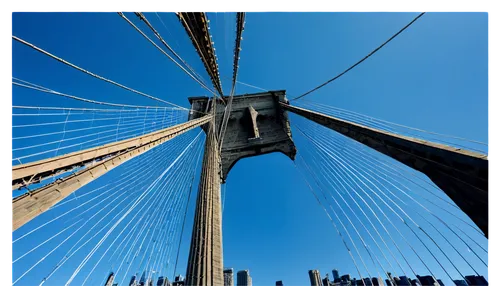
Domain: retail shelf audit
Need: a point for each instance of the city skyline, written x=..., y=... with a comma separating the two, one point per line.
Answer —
x=315, y=278
x=390, y=280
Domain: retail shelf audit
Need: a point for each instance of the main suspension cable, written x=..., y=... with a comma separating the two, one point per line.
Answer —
x=360, y=61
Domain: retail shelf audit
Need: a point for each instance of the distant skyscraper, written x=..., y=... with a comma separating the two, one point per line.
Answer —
x=109, y=281
x=345, y=278
x=403, y=281
x=133, y=281
x=162, y=281
x=427, y=280
x=279, y=283
x=367, y=280
x=476, y=280
x=315, y=278
x=414, y=282
x=243, y=278
x=228, y=277
x=142, y=281
x=178, y=281
x=377, y=281
x=326, y=281
x=353, y=282
x=336, y=277
x=391, y=280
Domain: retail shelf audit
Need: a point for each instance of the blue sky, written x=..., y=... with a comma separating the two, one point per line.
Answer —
x=433, y=76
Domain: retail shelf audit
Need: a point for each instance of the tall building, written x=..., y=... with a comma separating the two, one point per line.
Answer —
x=414, y=282
x=109, y=281
x=315, y=278
x=377, y=281
x=336, y=277
x=228, y=277
x=142, y=281
x=460, y=282
x=345, y=278
x=162, y=281
x=427, y=280
x=326, y=281
x=367, y=281
x=279, y=283
x=243, y=278
x=133, y=281
x=403, y=281
x=179, y=278
x=356, y=282
x=476, y=280
x=178, y=281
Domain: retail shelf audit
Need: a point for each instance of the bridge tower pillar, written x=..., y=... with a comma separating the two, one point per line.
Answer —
x=205, y=266
x=257, y=125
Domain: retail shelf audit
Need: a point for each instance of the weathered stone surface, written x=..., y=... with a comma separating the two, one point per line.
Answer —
x=205, y=262
x=257, y=125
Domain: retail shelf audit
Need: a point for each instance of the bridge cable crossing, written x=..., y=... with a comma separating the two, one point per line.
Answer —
x=71, y=235
x=240, y=26
x=345, y=164
x=394, y=127
x=142, y=17
x=118, y=129
x=367, y=248
x=335, y=226
x=357, y=217
x=149, y=198
x=174, y=184
x=401, y=210
x=134, y=174
x=167, y=250
x=382, y=225
x=399, y=169
x=92, y=74
x=368, y=167
x=135, y=204
x=29, y=85
x=115, y=196
x=186, y=211
x=161, y=220
x=421, y=216
x=123, y=134
x=328, y=177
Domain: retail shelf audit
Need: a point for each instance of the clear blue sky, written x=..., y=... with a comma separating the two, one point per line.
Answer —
x=433, y=76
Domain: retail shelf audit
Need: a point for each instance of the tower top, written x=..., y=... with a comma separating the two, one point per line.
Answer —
x=257, y=125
